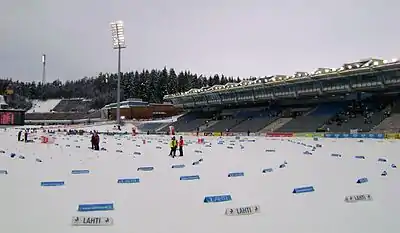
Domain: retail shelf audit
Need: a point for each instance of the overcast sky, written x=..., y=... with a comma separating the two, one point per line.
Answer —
x=232, y=37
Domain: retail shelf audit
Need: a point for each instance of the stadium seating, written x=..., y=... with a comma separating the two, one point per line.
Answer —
x=358, y=123
x=303, y=124
x=241, y=120
x=224, y=125
x=314, y=120
x=396, y=108
x=72, y=105
x=328, y=109
x=188, y=122
x=191, y=125
x=362, y=116
x=255, y=119
x=253, y=124
x=389, y=125
x=94, y=114
x=62, y=116
x=150, y=126
x=55, y=116
x=276, y=124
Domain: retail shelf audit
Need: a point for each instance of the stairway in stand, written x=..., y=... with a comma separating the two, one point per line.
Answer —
x=276, y=124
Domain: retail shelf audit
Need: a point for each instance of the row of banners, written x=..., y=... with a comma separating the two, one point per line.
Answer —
x=338, y=135
x=308, y=135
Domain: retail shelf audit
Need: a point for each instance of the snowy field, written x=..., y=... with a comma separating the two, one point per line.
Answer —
x=161, y=202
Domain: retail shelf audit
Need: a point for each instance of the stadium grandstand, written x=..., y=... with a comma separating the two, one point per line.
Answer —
x=360, y=97
x=77, y=111
x=61, y=111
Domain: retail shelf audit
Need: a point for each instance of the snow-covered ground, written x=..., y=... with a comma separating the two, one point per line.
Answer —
x=161, y=202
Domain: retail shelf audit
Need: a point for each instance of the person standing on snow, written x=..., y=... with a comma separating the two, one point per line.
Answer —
x=26, y=136
x=96, y=141
x=92, y=140
x=19, y=135
x=173, y=145
x=180, y=144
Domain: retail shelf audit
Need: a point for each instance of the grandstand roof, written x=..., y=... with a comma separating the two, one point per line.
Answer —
x=361, y=65
x=127, y=103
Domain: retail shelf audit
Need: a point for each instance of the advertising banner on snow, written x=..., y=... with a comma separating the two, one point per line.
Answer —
x=355, y=135
x=309, y=135
x=392, y=136
x=227, y=134
x=279, y=135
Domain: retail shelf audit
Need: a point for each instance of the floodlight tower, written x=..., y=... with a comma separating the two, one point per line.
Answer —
x=117, y=30
x=44, y=69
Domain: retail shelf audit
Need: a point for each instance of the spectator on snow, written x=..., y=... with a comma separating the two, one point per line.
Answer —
x=180, y=146
x=92, y=140
x=19, y=135
x=96, y=141
x=173, y=145
x=26, y=135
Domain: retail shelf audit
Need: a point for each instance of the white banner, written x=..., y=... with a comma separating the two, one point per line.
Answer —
x=354, y=131
x=356, y=198
x=92, y=221
x=247, y=210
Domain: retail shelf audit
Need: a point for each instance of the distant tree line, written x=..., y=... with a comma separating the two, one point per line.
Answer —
x=148, y=85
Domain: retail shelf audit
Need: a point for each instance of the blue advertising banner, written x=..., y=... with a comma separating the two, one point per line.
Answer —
x=355, y=135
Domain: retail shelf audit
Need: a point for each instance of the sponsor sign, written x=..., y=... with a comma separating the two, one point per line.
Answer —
x=52, y=183
x=279, y=135
x=309, y=135
x=357, y=198
x=92, y=221
x=220, y=198
x=247, y=210
x=392, y=136
x=128, y=181
x=4, y=172
x=355, y=135
x=95, y=207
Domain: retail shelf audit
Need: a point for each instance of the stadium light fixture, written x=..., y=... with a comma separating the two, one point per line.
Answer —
x=43, y=69
x=118, y=37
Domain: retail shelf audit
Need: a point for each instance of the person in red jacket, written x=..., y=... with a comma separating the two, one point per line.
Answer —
x=96, y=141
x=180, y=144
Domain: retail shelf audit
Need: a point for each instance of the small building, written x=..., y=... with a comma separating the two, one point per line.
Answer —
x=138, y=109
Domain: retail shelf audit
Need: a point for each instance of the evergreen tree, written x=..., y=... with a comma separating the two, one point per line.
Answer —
x=150, y=86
